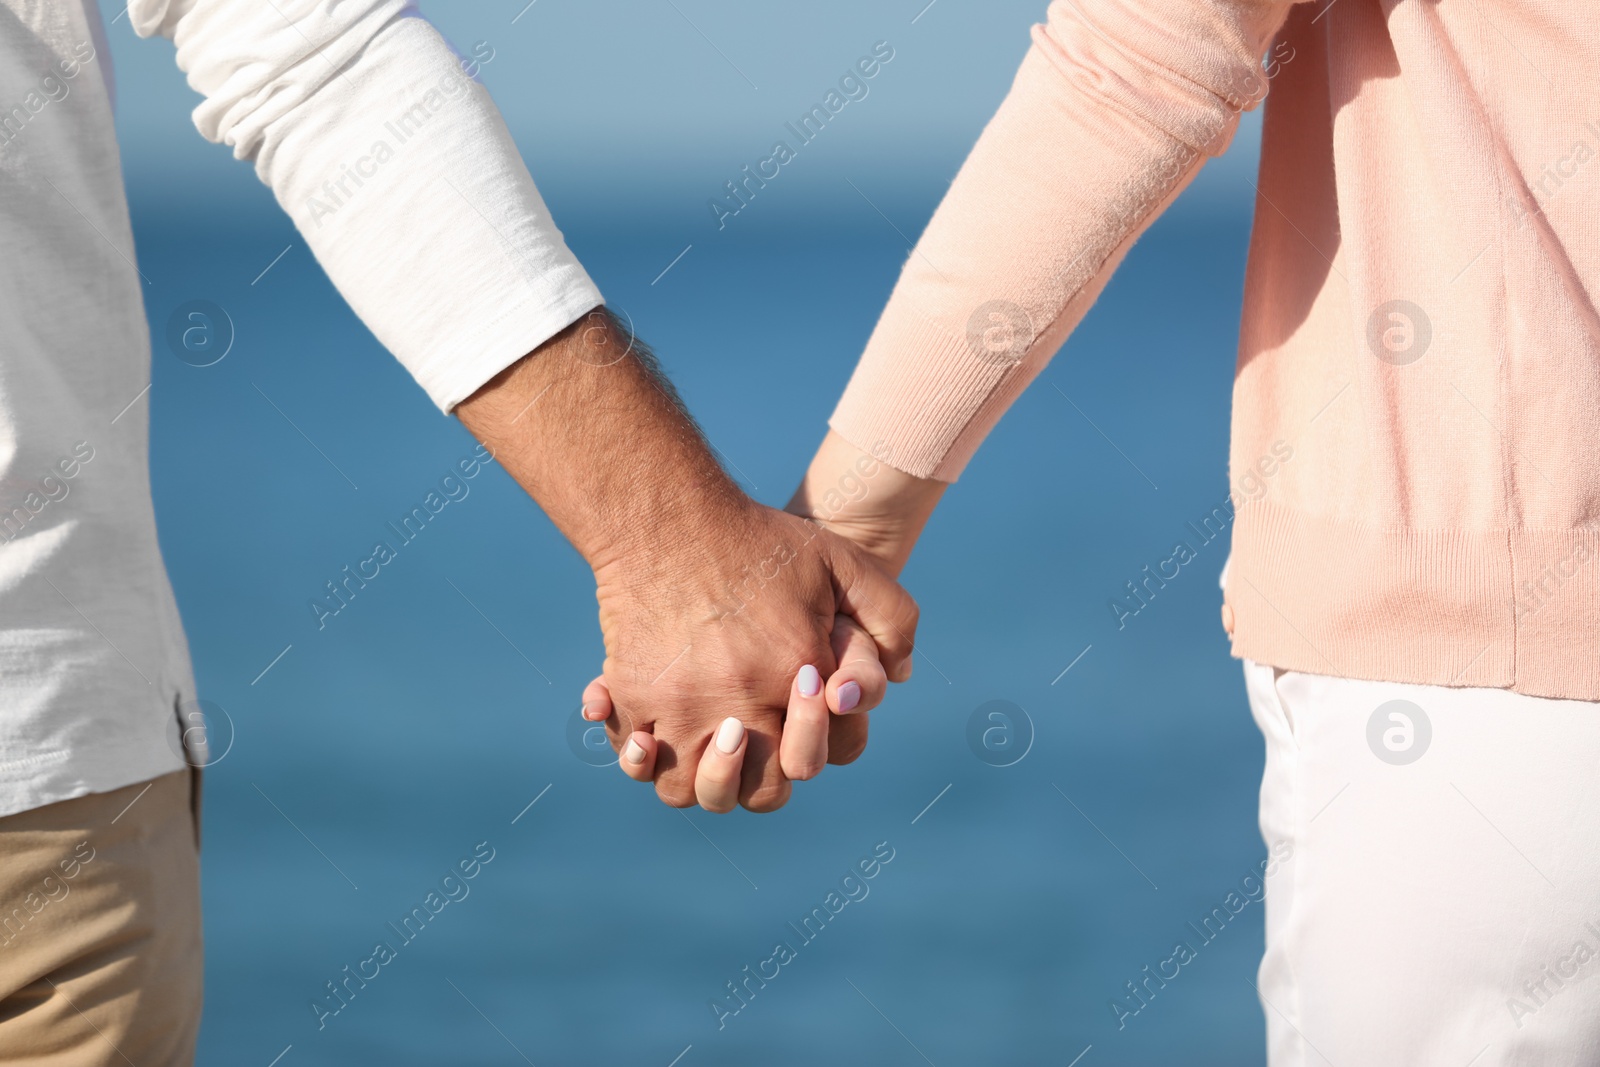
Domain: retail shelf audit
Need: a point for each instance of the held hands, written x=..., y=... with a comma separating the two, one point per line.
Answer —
x=717, y=648
x=710, y=604
x=821, y=724
x=805, y=702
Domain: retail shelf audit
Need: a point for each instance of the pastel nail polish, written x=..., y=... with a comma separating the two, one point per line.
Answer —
x=849, y=696
x=810, y=681
x=633, y=752
x=729, y=734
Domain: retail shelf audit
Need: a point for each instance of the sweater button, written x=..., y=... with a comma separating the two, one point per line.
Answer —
x=1227, y=619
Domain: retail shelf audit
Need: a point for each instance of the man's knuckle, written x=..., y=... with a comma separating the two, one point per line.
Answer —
x=675, y=796
x=769, y=796
x=848, y=752
x=796, y=653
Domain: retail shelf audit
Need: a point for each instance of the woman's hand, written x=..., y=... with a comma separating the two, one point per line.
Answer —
x=860, y=496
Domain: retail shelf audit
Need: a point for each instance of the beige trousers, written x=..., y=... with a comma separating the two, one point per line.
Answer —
x=100, y=958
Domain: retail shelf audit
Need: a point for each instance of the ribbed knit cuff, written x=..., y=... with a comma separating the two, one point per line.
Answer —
x=916, y=389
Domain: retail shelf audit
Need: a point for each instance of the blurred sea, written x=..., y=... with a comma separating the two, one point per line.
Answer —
x=431, y=711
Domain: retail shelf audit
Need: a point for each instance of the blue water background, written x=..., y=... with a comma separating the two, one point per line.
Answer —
x=427, y=715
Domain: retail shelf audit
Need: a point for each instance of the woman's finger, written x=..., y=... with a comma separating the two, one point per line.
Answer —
x=803, y=751
x=638, y=756
x=855, y=688
x=860, y=683
x=598, y=706
x=716, y=780
x=597, y=701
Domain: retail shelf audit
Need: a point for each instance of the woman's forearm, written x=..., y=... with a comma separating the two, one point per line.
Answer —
x=1112, y=113
x=862, y=496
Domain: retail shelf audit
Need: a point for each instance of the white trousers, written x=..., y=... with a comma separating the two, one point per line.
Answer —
x=1439, y=903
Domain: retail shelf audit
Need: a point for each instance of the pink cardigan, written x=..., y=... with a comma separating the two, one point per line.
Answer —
x=1420, y=329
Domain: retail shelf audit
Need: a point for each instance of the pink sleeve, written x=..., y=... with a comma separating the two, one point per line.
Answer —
x=1116, y=107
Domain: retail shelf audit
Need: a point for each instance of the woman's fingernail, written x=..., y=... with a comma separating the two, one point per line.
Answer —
x=592, y=713
x=729, y=734
x=849, y=696
x=633, y=752
x=810, y=681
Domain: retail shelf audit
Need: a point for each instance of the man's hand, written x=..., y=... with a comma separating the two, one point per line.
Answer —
x=826, y=722
x=725, y=630
x=881, y=510
x=709, y=603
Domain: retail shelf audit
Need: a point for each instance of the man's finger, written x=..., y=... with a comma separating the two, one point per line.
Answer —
x=716, y=782
x=677, y=763
x=763, y=786
x=803, y=751
x=847, y=738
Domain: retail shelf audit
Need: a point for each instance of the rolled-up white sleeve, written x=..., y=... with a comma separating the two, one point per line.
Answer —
x=396, y=167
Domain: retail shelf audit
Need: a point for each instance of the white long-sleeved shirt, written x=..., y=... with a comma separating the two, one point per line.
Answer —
x=400, y=174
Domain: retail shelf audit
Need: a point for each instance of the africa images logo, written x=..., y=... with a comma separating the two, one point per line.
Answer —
x=1399, y=732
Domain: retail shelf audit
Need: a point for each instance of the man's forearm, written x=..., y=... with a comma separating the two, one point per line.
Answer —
x=709, y=603
x=590, y=429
